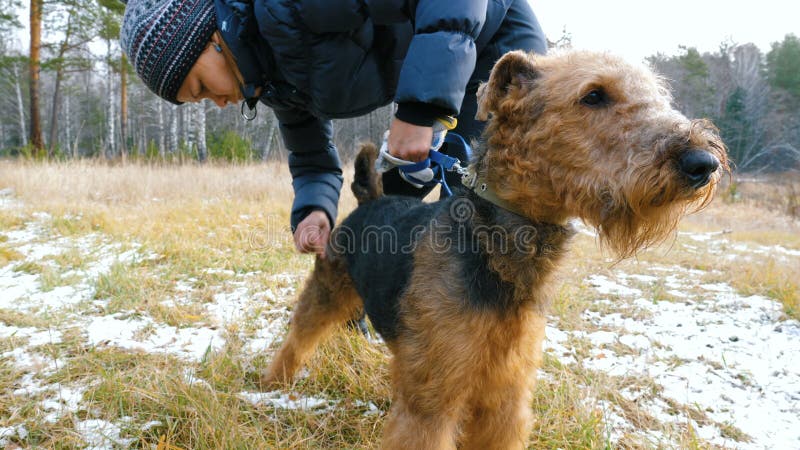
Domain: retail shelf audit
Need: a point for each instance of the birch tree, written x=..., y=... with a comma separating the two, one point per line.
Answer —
x=20, y=107
x=76, y=21
x=10, y=64
x=200, y=130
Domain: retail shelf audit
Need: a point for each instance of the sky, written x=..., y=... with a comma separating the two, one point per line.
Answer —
x=637, y=29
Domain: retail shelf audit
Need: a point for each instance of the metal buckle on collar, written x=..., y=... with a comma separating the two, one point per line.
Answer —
x=469, y=178
x=252, y=109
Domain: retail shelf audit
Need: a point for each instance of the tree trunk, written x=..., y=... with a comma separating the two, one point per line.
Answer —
x=111, y=142
x=185, y=126
x=54, y=115
x=34, y=66
x=200, y=131
x=162, y=144
x=111, y=135
x=188, y=133
x=67, y=127
x=173, y=129
x=75, y=153
x=20, y=108
x=142, y=139
x=62, y=50
x=123, y=106
x=273, y=125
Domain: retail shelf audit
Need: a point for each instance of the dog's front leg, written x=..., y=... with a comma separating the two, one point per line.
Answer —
x=499, y=413
x=408, y=429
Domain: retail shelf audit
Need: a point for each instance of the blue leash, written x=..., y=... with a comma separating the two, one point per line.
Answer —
x=439, y=164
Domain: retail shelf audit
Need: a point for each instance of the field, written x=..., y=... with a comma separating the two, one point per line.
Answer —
x=137, y=302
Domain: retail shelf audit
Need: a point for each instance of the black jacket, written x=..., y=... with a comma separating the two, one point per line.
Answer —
x=322, y=59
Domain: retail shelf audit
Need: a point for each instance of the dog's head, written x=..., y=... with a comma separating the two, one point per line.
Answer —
x=581, y=134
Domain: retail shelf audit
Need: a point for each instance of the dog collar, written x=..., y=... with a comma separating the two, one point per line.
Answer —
x=480, y=187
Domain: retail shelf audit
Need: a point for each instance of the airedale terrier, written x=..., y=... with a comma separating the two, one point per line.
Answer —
x=458, y=288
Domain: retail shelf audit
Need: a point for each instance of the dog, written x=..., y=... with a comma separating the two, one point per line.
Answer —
x=458, y=288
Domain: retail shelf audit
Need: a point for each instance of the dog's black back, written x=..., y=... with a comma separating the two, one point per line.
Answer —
x=378, y=241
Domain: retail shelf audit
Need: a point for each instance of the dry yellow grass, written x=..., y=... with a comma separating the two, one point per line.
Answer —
x=90, y=182
x=194, y=218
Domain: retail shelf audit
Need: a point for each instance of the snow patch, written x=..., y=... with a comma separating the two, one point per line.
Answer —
x=607, y=287
x=146, y=335
x=282, y=400
x=101, y=435
x=728, y=355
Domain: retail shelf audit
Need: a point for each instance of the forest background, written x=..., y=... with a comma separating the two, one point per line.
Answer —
x=72, y=94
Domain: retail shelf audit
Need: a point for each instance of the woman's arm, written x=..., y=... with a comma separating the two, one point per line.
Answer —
x=435, y=72
x=313, y=163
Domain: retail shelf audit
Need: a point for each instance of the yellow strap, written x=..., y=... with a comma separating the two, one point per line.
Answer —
x=449, y=122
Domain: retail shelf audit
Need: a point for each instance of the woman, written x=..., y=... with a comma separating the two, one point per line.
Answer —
x=314, y=60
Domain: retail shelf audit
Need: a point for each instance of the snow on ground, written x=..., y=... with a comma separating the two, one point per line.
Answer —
x=144, y=334
x=24, y=291
x=731, y=357
x=294, y=400
x=100, y=434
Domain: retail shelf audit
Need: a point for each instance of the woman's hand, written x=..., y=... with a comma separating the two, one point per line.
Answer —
x=312, y=233
x=408, y=141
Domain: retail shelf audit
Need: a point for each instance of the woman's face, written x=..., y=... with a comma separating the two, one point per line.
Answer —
x=211, y=77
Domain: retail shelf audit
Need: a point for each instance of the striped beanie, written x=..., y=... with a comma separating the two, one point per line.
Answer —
x=164, y=38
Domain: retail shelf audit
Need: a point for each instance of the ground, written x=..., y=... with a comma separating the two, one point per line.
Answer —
x=137, y=302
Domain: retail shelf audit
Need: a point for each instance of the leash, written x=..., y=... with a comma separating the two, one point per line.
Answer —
x=439, y=164
x=430, y=171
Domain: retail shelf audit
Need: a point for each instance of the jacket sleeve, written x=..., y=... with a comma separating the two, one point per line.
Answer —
x=442, y=54
x=313, y=163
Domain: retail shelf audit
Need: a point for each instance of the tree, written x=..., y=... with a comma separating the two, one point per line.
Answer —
x=690, y=77
x=696, y=86
x=110, y=18
x=76, y=20
x=783, y=75
x=8, y=20
x=34, y=67
x=200, y=130
x=11, y=63
x=783, y=65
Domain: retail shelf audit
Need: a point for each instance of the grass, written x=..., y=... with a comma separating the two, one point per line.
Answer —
x=29, y=267
x=773, y=279
x=127, y=287
x=214, y=229
x=563, y=420
x=71, y=259
x=10, y=221
x=8, y=255
x=18, y=319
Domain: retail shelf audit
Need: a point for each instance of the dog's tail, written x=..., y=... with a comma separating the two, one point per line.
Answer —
x=367, y=184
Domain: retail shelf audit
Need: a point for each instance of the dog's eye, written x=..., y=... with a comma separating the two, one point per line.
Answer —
x=595, y=98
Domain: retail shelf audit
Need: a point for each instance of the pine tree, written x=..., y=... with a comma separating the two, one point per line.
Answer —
x=783, y=65
x=34, y=68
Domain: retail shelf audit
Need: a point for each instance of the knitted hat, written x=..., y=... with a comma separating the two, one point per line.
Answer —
x=164, y=38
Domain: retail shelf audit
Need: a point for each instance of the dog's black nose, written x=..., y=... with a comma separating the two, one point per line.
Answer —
x=697, y=166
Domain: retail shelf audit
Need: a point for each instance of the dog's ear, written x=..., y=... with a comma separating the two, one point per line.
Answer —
x=512, y=69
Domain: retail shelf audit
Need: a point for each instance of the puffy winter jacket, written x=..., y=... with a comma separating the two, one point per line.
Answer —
x=322, y=59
